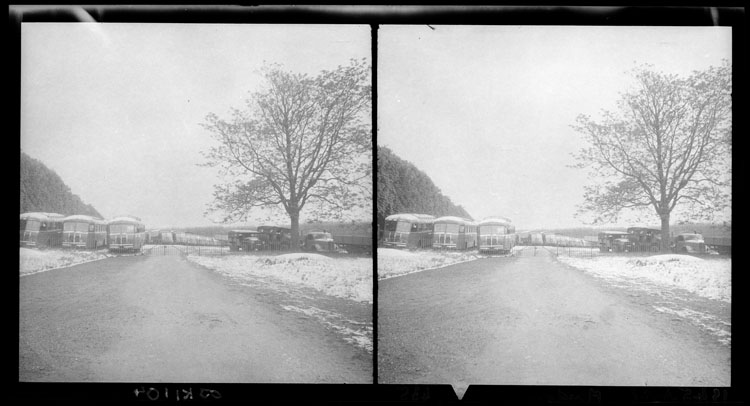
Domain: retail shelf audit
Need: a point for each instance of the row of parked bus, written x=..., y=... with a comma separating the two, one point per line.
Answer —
x=162, y=237
x=493, y=234
x=409, y=230
x=81, y=231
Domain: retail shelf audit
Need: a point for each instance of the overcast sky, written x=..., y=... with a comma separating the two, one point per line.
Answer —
x=115, y=109
x=485, y=111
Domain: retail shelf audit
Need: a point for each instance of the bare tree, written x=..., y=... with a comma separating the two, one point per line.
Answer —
x=668, y=144
x=301, y=142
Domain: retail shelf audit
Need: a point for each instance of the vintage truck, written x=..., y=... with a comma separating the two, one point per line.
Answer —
x=639, y=239
x=612, y=240
x=244, y=240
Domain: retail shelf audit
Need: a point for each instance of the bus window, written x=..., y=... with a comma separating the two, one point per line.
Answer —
x=402, y=226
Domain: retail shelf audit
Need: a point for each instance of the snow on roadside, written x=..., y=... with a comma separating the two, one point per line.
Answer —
x=33, y=261
x=353, y=332
x=709, y=278
x=704, y=320
x=349, y=278
x=395, y=262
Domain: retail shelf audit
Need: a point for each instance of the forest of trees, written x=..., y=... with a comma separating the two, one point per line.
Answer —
x=403, y=188
x=42, y=190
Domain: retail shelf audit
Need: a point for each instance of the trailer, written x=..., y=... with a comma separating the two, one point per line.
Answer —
x=354, y=243
x=722, y=245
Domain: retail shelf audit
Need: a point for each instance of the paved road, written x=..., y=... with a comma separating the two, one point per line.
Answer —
x=530, y=320
x=163, y=319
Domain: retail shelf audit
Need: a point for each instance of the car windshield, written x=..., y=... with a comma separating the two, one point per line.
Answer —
x=691, y=237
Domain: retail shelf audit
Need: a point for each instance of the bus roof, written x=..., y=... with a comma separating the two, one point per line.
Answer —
x=501, y=218
x=453, y=220
x=495, y=221
x=124, y=219
x=41, y=216
x=613, y=232
x=84, y=218
x=411, y=217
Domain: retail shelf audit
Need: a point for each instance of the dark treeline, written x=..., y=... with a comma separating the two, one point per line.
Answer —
x=403, y=188
x=42, y=190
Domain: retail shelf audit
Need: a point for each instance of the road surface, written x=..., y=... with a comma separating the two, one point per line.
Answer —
x=163, y=319
x=530, y=320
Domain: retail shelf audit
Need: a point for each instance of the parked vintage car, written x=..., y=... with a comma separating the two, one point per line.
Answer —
x=689, y=243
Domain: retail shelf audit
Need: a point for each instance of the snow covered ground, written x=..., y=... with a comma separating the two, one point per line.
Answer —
x=395, y=262
x=349, y=278
x=354, y=332
x=32, y=261
x=709, y=278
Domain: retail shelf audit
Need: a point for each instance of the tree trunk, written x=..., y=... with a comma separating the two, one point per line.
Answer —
x=294, y=216
x=665, y=240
